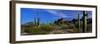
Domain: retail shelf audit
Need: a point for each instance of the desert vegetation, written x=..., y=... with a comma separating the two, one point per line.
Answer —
x=59, y=26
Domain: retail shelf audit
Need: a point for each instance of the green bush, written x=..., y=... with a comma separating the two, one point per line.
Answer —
x=38, y=31
x=27, y=30
x=35, y=31
x=46, y=28
x=66, y=27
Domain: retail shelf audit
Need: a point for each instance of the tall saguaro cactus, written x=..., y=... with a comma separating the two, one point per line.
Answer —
x=85, y=21
x=78, y=22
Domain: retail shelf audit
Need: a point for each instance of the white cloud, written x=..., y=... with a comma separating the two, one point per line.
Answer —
x=56, y=13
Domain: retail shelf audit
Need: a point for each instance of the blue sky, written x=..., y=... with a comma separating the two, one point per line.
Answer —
x=49, y=15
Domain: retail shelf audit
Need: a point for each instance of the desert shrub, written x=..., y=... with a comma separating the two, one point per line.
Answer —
x=67, y=27
x=71, y=26
x=89, y=28
x=27, y=30
x=35, y=31
x=46, y=27
x=64, y=27
x=38, y=31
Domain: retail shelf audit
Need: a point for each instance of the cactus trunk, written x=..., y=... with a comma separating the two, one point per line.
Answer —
x=85, y=21
x=38, y=22
x=78, y=22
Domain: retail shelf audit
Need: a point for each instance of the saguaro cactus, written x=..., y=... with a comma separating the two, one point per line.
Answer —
x=34, y=21
x=38, y=22
x=85, y=21
x=78, y=22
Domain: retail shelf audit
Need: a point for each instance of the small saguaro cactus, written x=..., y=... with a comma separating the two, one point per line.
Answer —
x=85, y=21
